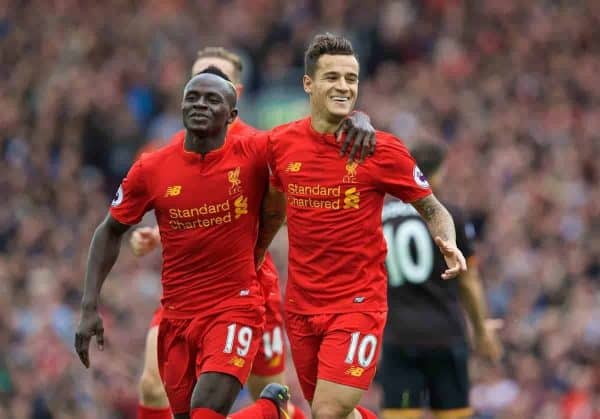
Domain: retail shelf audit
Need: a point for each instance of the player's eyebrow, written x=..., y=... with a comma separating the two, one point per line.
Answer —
x=337, y=74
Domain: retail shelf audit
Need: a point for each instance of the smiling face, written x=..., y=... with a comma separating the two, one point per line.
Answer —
x=208, y=104
x=333, y=88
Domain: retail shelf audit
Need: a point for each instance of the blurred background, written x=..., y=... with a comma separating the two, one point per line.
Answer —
x=511, y=85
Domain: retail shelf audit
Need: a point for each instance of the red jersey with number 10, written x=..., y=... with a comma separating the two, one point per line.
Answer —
x=207, y=211
x=337, y=250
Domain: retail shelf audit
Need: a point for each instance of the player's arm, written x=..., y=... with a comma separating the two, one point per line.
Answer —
x=441, y=226
x=103, y=253
x=271, y=219
x=144, y=240
x=359, y=133
x=472, y=298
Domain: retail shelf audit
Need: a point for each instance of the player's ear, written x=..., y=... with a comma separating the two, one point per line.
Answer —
x=232, y=115
x=307, y=83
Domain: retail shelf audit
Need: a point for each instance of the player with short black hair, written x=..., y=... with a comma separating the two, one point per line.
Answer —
x=206, y=187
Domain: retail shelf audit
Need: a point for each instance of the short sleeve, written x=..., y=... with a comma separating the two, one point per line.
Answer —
x=272, y=160
x=259, y=144
x=132, y=199
x=396, y=173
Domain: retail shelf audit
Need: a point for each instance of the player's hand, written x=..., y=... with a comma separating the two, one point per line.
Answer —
x=144, y=240
x=359, y=133
x=488, y=344
x=90, y=325
x=455, y=260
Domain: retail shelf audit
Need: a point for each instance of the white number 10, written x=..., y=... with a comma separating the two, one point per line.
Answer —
x=244, y=338
x=367, y=343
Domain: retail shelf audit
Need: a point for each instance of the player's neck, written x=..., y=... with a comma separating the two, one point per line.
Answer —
x=325, y=124
x=195, y=143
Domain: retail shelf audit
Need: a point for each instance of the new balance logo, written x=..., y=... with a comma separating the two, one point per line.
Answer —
x=294, y=167
x=173, y=190
x=237, y=361
x=355, y=371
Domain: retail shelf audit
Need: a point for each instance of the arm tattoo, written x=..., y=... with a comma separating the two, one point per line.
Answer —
x=438, y=219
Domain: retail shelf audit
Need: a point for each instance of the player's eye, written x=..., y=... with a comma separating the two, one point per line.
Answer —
x=214, y=100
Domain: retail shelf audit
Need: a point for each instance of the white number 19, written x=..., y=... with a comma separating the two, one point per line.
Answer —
x=244, y=338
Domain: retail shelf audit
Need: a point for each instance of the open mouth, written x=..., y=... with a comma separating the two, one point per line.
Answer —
x=340, y=99
x=198, y=116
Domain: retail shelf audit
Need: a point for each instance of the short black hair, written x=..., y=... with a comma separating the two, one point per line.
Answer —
x=231, y=94
x=322, y=44
x=211, y=69
x=429, y=157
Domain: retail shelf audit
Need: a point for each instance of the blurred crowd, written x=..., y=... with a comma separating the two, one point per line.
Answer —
x=510, y=85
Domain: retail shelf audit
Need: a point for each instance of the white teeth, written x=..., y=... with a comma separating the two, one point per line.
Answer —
x=339, y=98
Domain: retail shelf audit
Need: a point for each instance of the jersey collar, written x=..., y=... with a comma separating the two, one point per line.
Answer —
x=208, y=157
x=327, y=138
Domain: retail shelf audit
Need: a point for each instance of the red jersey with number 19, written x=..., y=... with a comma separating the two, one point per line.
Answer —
x=207, y=211
x=267, y=274
x=336, y=245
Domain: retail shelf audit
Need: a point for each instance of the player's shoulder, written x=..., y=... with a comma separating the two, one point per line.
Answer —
x=283, y=131
x=158, y=156
x=389, y=140
x=242, y=128
x=389, y=150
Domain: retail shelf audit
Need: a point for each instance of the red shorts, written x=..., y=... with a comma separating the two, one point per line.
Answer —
x=341, y=348
x=270, y=358
x=226, y=343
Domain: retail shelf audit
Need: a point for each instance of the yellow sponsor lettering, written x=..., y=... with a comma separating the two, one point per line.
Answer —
x=313, y=190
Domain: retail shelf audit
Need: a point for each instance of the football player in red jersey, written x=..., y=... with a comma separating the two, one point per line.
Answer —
x=269, y=363
x=205, y=187
x=335, y=304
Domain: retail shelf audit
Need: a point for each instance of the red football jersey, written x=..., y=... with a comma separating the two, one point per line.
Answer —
x=267, y=274
x=207, y=211
x=336, y=245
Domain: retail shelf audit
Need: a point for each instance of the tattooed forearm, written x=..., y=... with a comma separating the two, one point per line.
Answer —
x=438, y=219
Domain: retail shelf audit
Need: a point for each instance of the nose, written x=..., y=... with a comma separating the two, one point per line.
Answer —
x=201, y=103
x=342, y=85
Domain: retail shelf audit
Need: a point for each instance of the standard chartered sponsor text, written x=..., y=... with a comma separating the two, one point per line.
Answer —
x=204, y=216
x=314, y=196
